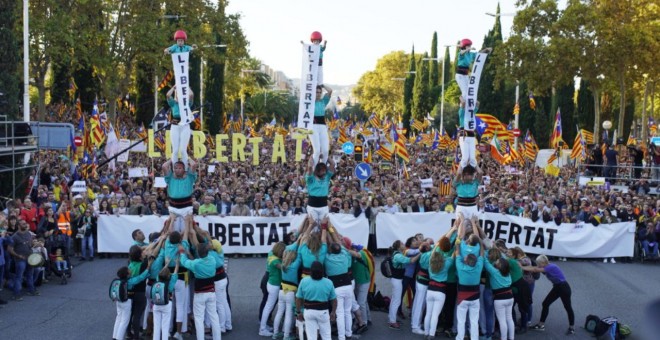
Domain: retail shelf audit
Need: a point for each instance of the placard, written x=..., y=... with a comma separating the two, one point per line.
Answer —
x=79, y=186
x=138, y=172
x=123, y=145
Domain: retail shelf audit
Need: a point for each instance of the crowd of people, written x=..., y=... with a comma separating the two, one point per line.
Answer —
x=59, y=224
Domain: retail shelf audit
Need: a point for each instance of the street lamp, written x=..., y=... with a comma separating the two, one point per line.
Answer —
x=442, y=93
x=26, y=61
x=201, y=85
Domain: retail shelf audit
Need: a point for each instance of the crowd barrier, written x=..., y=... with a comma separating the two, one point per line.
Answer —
x=255, y=235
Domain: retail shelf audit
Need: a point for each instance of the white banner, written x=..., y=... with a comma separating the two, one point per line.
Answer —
x=180, y=65
x=242, y=235
x=308, y=81
x=79, y=186
x=473, y=88
x=138, y=172
x=426, y=183
x=566, y=240
x=123, y=145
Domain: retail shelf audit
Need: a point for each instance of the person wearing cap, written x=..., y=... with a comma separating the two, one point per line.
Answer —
x=180, y=46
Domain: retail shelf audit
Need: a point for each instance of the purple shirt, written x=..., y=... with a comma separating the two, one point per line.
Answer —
x=554, y=274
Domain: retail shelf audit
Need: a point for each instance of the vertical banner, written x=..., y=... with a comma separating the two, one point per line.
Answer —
x=180, y=64
x=473, y=88
x=308, y=81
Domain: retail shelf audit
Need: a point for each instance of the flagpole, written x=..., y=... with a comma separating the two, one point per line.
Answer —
x=515, y=122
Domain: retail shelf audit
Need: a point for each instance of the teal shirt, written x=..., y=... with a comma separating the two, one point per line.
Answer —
x=180, y=187
x=179, y=49
x=497, y=281
x=318, y=187
x=319, y=106
x=469, y=276
x=219, y=258
x=466, y=59
x=174, y=107
x=203, y=268
x=156, y=267
x=425, y=260
x=172, y=283
x=308, y=257
x=442, y=275
x=466, y=249
x=399, y=260
x=290, y=275
x=171, y=251
x=316, y=290
x=337, y=264
x=140, y=244
x=467, y=190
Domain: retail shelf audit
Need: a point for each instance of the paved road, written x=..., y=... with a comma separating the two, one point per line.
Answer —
x=82, y=310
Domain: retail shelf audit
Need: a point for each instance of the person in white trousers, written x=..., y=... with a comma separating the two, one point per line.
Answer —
x=466, y=184
x=421, y=287
x=316, y=293
x=162, y=314
x=399, y=262
x=179, y=131
x=317, y=178
x=124, y=307
x=500, y=282
x=220, y=283
x=204, y=299
x=319, y=137
x=469, y=276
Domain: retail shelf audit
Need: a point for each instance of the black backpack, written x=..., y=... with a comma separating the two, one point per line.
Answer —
x=608, y=329
x=591, y=322
x=118, y=291
x=386, y=267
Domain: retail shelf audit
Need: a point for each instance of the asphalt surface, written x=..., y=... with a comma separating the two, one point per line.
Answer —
x=82, y=309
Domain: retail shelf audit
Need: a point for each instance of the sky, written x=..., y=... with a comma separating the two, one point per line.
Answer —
x=359, y=32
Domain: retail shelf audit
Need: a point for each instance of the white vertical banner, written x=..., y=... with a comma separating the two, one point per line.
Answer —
x=470, y=121
x=180, y=64
x=308, y=81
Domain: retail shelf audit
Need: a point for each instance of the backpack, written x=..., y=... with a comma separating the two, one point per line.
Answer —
x=591, y=322
x=159, y=294
x=608, y=329
x=386, y=267
x=118, y=290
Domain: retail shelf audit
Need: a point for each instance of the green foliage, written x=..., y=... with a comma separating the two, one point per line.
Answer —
x=584, y=110
x=565, y=96
x=408, y=90
x=9, y=80
x=434, y=76
x=421, y=92
x=492, y=92
x=447, y=67
x=266, y=105
x=377, y=91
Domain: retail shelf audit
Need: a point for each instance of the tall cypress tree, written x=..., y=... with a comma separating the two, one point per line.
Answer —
x=565, y=103
x=447, y=67
x=585, y=111
x=215, y=82
x=434, y=75
x=408, y=90
x=491, y=93
x=9, y=80
x=145, y=93
x=421, y=91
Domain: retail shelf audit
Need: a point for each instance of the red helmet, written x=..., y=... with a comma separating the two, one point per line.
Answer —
x=180, y=34
x=466, y=42
x=316, y=35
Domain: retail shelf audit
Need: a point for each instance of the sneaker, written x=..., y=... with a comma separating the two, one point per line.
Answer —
x=611, y=261
x=418, y=331
x=604, y=260
x=265, y=332
x=450, y=334
x=395, y=326
x=570, y=331
x=278, y=335
x=82, y=259
x=538, y=327
x=178, y=336
x=361, y=329
x=35, y=293
x=17, y=298
x=429, y=337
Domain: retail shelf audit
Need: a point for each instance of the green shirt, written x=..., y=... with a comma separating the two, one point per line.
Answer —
x=515, y=270
x=180, y=187
x=318, y=187
x=360, y=269
x=274, y=273
x=316, y=290
x=208, y=209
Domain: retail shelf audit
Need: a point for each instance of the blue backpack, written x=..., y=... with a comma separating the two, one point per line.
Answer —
x=118, y=290
x=159, y=294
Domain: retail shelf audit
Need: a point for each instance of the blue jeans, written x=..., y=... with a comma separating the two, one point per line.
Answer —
x=646, y=244
x=21, y=266
x=487, y=311
x=88, y=245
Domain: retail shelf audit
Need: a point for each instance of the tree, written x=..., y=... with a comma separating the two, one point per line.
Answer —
x=565, y=96
x=421, y=91
x=492, y=97
x=584, y=111
x=9, y=81
x=447, y=67
x=408, y=89
x=377, y=91
x=434, y=73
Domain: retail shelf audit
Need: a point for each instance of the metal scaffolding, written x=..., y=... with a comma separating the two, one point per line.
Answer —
x=15, y=152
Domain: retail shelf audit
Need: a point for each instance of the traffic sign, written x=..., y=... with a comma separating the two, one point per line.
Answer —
x=363, y=171
x=516, y=132
x=655, y=141
x=348, y=148
x=77, y=140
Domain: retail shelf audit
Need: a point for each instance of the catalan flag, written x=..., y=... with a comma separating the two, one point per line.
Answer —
x=96, y=127
x=532, y=101
x=552, y=158
x=79, y=112
x=383, y=151
x=166, y=81
x=487, y=125
x=436, y=141
x=531, y=149
x=631, y=140
x=555, y=137
x=516, y=109
x=457, y=160
x=588, y=136
x=141, y=132
x=653, y=128
x=399, y=145
x=342, y=136
x=197, y=121
x=579, y=146
x=417, y=125
x=495, y=150
x=72, y=88
x=444, y=189
x=159, y=141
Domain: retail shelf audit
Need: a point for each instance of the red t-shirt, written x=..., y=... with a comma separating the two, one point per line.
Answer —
x=30, y=216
